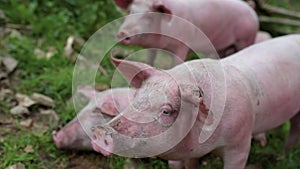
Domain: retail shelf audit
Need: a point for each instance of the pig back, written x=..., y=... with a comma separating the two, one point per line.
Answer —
x=270, y=70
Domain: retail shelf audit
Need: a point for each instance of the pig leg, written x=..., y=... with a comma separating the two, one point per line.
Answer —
x=294, y=135
x=245, y=36
x=180, y=54
x=151, y=56
x=261, y=138
x=235, y=156
x=192, y=163
x=176, y=164
x=184, y=164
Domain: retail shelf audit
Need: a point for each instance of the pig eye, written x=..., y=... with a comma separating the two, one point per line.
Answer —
x=166, y=110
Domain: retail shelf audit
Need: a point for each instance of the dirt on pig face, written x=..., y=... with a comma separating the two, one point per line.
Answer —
x=154, y=109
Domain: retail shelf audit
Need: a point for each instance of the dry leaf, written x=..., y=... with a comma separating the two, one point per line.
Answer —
x=29, y=149
x=4, y=93
x=26, y=123
x=50, y=112
x=39, y=53
x=24, y=100
x=68, y=50
x=101, y=87
x=9, y=63
x=19, y=110
x=51, y=52
x=43, y=100
x=4, y=119
x=17, y=166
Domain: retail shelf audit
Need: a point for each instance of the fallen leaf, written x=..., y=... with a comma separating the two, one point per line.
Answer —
x=9, y=63
x=3, y=75
x=4, y=119
x=101, y=87
x=40, y=129
x=43, y=100
x=39, y=53
x=19, y=110
x=50, y=112
x=17, y=166
x=51, y=52
x=29, y=149
x=24, y=100
x=72, y=44
x=68, y=50
x=26, y=123
x=13, y=33
x=3, y=18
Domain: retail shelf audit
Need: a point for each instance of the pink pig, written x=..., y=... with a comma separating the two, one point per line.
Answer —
x=254, y=90
x=230, y=25
x=103, y=106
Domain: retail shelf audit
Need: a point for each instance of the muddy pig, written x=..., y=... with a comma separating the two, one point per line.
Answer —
x=230, y=25
x=102, y=107
x=207, y=105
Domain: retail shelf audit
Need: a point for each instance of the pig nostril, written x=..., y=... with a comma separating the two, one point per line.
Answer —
x=128, y=38
x=106, y=143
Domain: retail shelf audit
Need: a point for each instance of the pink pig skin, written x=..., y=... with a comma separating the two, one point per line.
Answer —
x=75, y=135
x=230, y=25
x=262, y=92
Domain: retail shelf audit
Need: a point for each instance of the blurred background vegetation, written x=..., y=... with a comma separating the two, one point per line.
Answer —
x=35, y=33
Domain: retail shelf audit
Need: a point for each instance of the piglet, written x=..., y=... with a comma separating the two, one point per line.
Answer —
x=207, y=105
x=102, y=107
x=230, y=25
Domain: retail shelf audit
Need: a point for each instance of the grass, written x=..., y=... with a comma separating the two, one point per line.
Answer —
x=51, y=22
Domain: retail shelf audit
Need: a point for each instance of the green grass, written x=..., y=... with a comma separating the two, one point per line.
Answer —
x=51, y=22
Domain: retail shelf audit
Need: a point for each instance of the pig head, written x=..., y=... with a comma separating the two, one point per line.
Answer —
x=158, y=24
x=102, y=107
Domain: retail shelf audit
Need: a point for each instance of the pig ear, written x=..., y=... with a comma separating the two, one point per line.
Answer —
x=134, y=72
x=160, y=7
x=87, y=91
x=110, y=108
x=195, y=94
x=123, y=3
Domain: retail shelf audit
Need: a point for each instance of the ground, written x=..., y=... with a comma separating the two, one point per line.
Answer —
x=35, y=34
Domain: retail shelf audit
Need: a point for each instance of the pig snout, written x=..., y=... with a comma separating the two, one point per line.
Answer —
x=72, y=136
x=102, y=141
x=58, y=137
x=124, y=38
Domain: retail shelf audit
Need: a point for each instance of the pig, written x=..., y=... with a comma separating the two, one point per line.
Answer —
x=229, y=100
x=262, y=36
x=230, y=25
x=102, y=107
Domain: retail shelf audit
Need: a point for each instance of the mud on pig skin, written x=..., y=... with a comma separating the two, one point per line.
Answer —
x=102, y=107
x=231, y=27
x=262, y=92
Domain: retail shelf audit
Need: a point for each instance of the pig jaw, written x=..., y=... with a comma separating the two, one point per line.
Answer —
x=102, y=141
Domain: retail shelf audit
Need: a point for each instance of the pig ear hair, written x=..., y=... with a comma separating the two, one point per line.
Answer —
x=191, y=93
x=134, y=72
x=123, y=3
x=160, y=7
x=195, y=94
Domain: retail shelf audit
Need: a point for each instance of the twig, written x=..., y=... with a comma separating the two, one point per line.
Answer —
x=103, y=71
x=282, y=21
x=17, y=26
x=280, y=11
